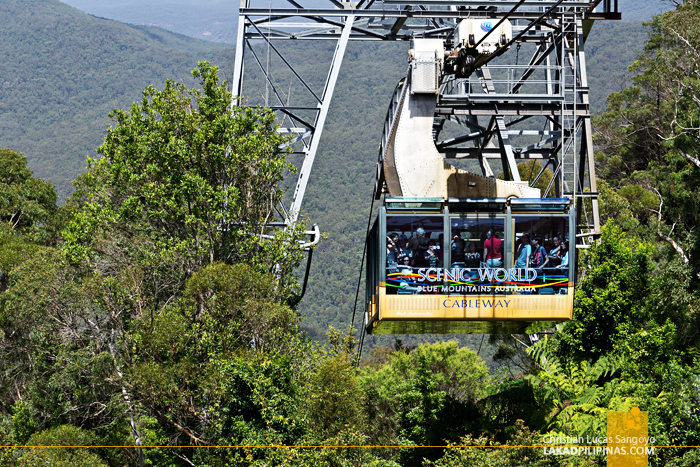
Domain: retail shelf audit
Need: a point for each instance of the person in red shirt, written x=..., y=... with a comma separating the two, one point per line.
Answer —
x=492, y=251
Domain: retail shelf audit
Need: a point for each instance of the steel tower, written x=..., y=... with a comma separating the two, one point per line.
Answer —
x=529, y=99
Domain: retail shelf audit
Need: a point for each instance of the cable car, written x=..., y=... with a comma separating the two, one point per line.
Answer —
x=452, y=251
x=456, y=266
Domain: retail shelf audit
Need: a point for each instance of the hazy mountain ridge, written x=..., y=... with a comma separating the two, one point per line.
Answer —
x=216, y=20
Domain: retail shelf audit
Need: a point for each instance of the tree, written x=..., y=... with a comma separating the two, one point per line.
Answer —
x=648, y=138
x=649, y=134
x=163, y=316
x=423, y=398
x=192, y=176
x=26, y=202
x=27, y=213
x=613, y=290
x=77, y=454
x=57, y=363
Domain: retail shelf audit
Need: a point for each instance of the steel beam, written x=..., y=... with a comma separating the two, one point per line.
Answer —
x=323, y=107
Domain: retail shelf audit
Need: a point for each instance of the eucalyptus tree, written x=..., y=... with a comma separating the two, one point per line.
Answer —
x=188, y=175
x=166, y=286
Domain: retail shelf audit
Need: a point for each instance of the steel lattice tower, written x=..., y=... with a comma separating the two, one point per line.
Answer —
x=529, y=100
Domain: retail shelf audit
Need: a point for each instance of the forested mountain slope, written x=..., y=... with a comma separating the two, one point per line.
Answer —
x=213, y=20
x=64, y=71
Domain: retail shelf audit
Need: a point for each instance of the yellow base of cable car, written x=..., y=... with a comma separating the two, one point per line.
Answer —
x=468, y=314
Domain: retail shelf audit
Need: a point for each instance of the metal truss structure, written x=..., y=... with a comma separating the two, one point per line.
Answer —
x=506, y=110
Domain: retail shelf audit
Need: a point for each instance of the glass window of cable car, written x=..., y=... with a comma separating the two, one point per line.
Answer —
x=540, y=246
x=414, y=242
x=476, y=249
x=476, y=241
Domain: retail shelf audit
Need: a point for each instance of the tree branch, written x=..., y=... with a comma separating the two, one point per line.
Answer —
x=671, y=241
x=184, y=459
x=685, y=41
x=180, y=427
x=690, y=158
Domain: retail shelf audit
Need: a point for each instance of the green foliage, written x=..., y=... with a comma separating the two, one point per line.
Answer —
x=237, y=306
x=23, y=423
x=689, y=459
x=482, y=451
x=648, y=137
x=54, y=345
x=14, y=249
x=74, y=450
x=612, y=290
x=425, y=397
x=216, y=365
x=649, y=133
x=573, y=392
x=334, y=398
x=200, y=178
x=653, y=373
x=135, y=321
x=255, y=401
x=25, y=202
x=641, y=202
x=614, y=206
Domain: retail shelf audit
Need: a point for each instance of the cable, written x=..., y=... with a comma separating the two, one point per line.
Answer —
x=507, y=15
x=362, y=263
x=359, y=278
x=362, y=343
x=359, y=281
x=522, y=33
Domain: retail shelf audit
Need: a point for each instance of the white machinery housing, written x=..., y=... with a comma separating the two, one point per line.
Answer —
x=426, y=59
x=470, y=32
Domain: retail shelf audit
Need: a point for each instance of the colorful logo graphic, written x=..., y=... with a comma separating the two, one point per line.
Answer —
x=483, y=280
x=486, y=26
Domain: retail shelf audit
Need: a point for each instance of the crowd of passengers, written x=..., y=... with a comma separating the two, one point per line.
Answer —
x=417, y=251
x=420, y=252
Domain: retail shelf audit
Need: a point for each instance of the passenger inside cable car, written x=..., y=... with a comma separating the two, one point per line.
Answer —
x=484, y=255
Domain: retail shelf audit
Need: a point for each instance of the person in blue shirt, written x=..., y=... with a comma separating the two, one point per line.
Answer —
x=564, y=256
x=524, y=252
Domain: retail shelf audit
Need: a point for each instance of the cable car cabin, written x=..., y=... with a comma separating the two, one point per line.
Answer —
x=470, y=266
